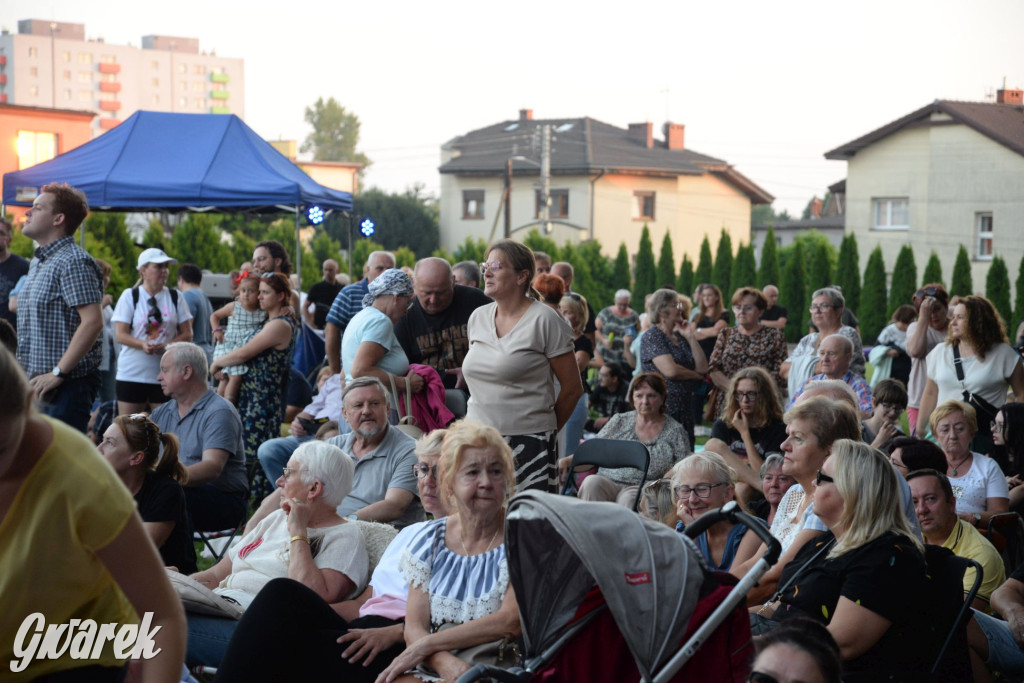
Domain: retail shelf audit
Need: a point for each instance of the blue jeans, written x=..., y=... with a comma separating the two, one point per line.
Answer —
x=72, y=400
x=1003, y=653
x=574, y=425
x=208, y=639
x=274, y=454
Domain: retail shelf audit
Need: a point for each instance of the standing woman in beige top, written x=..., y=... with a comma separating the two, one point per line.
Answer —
x=518, y=349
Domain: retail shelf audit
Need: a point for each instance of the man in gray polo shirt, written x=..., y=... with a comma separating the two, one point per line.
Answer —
x=209, y=433
x=384, y=486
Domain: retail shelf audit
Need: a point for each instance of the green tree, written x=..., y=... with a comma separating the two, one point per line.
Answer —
x=819, y=271
x=932, y=270
x=722, y=270
x=335, y=133
x=704, y=265
x=666, y=262
x=744, y=269
x=598, y=271
x=620, y=272
x=1019, y=301
x=198, y=240
x=848, y=271
x=904, y=279
x=242, y=247
x=404, y=256
x=791, y=294
x=399, y=220
x=685, y=283
x=873, y=297
x=155, y=236
x=324, y=247
x=108, y=228
x=997, y=290
x=646, y=277
x=769, y=271
x=471, y=249
x=361, y=251
x=962, y=284
x=534, y=240
x=441, y=252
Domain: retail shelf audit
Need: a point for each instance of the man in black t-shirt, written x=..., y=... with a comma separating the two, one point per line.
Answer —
x=434, y=329
x=775, y=315
x=322, y=295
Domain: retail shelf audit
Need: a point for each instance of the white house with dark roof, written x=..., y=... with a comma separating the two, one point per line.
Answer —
x=950, y=173
x=606, y=182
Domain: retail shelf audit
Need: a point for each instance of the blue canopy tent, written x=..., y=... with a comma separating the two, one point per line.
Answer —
x=157, y=161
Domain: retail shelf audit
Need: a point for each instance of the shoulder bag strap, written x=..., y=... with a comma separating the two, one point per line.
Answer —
x=958, y=365
x=394, y=396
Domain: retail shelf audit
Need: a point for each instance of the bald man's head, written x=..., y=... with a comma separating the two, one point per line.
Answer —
x=434, y=285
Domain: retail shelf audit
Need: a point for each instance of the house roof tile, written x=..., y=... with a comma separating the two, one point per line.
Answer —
x=582, y=146
x=1003, y=123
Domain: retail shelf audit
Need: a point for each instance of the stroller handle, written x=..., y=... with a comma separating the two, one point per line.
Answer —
x=731, y=512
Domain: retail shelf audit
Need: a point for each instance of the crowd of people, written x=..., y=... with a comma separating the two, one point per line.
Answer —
x=857, y=467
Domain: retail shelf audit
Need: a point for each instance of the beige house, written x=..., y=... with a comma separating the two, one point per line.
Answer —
x=950, y=173
x=605, y=183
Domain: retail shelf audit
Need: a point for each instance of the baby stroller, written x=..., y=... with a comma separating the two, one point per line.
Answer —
x=606, y=595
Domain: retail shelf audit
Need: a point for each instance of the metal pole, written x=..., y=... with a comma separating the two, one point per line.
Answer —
x=298, y=247
x=508, y=197
x=351, y=221
x=545, y=178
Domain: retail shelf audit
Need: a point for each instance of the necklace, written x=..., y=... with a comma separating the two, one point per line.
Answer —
x=465, y=550
x=962, y=461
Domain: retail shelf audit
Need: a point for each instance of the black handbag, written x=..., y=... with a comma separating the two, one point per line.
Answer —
x=985, y=411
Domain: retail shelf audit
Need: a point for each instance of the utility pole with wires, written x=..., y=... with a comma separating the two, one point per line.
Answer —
x=545, y=177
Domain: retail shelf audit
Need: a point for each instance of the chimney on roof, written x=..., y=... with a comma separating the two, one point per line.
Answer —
x=674, y=135
x=1005, y=96
x=815, y=207
x=526, y=115
x=642, y=133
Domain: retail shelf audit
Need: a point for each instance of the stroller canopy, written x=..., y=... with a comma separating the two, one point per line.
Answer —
x=559, y=548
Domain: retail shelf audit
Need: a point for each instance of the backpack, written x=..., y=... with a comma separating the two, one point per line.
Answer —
x=135, y=297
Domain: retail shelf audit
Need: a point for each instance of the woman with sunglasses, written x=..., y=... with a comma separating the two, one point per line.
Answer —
x=812, y=426
x=800, y=650
x=147, y=318
x=747, y=344
x=574, y=310
x=518, y=348
x=865, y=577
x=352, y=640
x=147, y=462
x=703, y=482
x=924, y=334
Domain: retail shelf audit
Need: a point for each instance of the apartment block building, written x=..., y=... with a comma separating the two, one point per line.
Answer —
x=55, y=65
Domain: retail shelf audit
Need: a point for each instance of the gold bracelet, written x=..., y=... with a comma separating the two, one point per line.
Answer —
x=300, y=538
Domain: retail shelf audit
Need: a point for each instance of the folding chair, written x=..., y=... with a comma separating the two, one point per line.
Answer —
x=610, y=453
x=207, y=536
x=946, y=571
x=1006, y=532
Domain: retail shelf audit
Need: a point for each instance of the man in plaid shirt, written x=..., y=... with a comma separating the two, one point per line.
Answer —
x=59, y=315
x=835, y=354
x=609, y=396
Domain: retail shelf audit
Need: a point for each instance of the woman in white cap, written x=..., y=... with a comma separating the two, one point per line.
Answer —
x=147, y=318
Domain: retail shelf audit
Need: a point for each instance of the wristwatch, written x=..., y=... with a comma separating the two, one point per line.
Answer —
x=353, y=517
x=57, y=372
x=977, y=518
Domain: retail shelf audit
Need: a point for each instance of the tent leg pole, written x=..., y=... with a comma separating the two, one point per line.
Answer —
x=298, y=249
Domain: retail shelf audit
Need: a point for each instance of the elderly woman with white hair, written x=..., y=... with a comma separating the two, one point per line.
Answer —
x=613, y=324
x=305, y=540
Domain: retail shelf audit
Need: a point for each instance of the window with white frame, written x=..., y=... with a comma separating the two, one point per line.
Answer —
x=891, y=213
x=643, y=206
x=558, y=206
x=472, y=203
x=983, y=226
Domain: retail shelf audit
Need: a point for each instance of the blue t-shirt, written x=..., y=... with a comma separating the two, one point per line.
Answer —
x=371, y=325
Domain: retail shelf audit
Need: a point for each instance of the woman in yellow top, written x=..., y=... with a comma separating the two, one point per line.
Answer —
x=73, y=548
